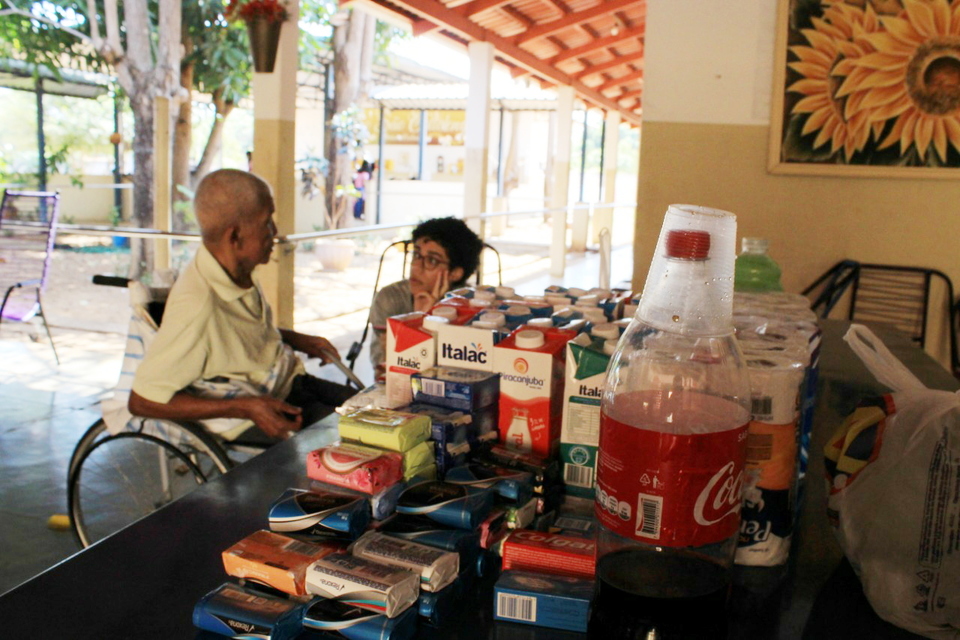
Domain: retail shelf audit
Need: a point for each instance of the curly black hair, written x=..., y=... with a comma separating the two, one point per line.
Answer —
x=462, y=245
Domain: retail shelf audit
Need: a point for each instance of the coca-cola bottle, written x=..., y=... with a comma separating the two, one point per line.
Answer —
x=673, y=430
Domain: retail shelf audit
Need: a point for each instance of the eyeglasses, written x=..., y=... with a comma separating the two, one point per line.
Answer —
x=429, y=262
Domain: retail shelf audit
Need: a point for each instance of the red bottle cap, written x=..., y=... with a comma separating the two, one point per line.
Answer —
x=688, y=245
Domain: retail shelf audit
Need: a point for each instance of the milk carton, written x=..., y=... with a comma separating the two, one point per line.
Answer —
x=466, y=347
x=586, y=368
x=530, y=364
x=411, y=347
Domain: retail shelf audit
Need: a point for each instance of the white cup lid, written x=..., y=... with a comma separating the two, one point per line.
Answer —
x=609, y=346
x=540, y=322
x=529, y=339
x=445, y=312
x=478, y=302
x=497, y=318
x=505, y=292
x=433, y=323
x=589, y=300
x=518, y=310
x=483, y=294
x=484, y=324
x=607, y=331
x=575, y=292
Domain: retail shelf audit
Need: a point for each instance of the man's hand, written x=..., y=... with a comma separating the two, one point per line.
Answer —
x=424, y=300
x=313, y=346
x=274, y=417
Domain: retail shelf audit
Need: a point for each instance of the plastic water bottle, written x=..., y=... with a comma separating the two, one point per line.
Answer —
x=755, y=270
x=673, y=429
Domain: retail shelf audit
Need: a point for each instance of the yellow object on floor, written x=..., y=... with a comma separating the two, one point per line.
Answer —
x=59, y=522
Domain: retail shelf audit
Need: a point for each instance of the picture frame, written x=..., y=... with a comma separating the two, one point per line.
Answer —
x=858, y=91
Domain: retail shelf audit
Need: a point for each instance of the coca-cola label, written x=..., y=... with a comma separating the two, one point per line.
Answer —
x=669, y=490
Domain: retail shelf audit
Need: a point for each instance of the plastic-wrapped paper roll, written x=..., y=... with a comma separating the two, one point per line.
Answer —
x=437, y=567
x=775, y=385
x=363, y=583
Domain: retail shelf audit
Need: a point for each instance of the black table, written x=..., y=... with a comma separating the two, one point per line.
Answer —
x=144, y=581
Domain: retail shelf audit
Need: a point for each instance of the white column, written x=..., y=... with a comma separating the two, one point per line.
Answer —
x=580, y=223
x=477, y=136
x=603, y=218
x=274, y=136
x=162, y=179
x=561, y=180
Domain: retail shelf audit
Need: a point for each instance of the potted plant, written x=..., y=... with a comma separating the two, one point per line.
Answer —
x=263, y=19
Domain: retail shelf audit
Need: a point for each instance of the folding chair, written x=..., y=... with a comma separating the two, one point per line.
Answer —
x=404, y=246
x=28, y=227
x=889, y=294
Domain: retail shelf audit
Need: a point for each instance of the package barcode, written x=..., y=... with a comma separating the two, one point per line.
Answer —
x=761, y=407
x=296, y=546
x=433, y=387
x=759, y=447
x=649, y=509
x=578, y=476
x=517, y=607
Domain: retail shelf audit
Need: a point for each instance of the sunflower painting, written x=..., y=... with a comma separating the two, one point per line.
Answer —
x=865, y=86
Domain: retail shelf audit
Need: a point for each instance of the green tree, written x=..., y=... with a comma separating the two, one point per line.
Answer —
x=138, y=41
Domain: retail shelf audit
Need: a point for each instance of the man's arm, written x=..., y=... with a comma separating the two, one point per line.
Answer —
x=313, y=346
x=274, y=417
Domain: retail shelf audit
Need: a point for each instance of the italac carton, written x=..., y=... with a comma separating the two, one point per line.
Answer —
x=466, y=347
x=586, y=369
x=411, y=347
x=530, y=362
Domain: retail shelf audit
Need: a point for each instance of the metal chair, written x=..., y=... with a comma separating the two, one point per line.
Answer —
x=889, y=294
x=28, y=227
x=405, y=246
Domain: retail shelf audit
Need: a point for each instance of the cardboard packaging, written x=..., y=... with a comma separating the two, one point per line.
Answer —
x=531, y=369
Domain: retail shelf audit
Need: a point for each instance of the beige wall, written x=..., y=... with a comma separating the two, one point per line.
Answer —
x=811, y=222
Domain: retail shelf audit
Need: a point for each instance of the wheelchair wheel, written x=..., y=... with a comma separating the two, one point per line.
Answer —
x=115, y=480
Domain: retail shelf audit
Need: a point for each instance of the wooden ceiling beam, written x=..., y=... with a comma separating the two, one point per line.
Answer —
x=435, y=11
x=636, y=93
x=421, y=26
x=479, y=6
x=605, y=8
x=606, y=66
x=614, y=82
x=596, y=45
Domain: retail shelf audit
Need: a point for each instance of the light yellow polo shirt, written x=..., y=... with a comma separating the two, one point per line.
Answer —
x=212, y=329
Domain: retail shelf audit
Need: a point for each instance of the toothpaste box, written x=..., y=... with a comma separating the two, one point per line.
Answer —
x=531, y=369
x=545, y=601
x=410, y=349
x=549, y=553
x=455, y=388
x=586, y=371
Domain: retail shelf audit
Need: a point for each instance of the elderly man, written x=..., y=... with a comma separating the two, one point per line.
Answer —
x=218, y=353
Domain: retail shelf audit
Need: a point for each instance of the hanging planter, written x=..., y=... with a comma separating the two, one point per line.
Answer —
x=264, y=42
x=263, y=18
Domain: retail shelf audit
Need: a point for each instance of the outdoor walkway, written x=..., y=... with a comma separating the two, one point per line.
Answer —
x=46, y=407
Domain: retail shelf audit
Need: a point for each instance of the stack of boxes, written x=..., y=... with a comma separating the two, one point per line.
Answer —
x=478, y=456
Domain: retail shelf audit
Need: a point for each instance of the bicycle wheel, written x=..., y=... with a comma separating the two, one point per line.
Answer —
x=117, y=479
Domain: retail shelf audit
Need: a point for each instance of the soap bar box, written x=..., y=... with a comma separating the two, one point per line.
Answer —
x=456, y=388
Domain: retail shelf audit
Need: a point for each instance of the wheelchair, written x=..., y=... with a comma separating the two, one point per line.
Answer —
x=124, y=467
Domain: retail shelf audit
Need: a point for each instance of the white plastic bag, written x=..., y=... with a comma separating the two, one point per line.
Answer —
x=893, y=470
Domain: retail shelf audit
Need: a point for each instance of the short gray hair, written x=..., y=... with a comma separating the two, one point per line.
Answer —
x=227, y=197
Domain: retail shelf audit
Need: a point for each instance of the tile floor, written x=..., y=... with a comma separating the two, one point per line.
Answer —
x=46, y=408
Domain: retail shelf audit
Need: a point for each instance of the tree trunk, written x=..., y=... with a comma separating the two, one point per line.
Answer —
x=215, y=140
x=348, y=63
x=141, y=251
x=182, y=140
